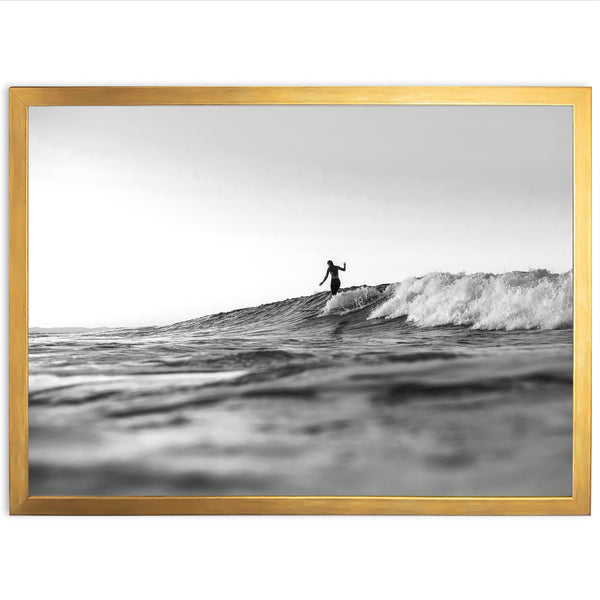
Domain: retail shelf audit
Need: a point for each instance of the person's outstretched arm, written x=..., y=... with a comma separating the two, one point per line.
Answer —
x=324, y=278
x=342, y=268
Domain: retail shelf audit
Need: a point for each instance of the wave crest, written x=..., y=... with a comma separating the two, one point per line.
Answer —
x=351, y=300
x=517, y=300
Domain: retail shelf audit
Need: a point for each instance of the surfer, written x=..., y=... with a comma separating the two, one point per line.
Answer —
x=335, y=279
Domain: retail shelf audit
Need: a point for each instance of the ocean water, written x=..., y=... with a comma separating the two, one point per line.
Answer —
x=449, y=384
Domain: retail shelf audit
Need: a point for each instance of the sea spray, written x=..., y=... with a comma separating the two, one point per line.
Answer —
x=517, y=300
x=351, y=300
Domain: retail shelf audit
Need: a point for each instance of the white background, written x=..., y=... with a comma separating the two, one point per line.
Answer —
x=389, y=43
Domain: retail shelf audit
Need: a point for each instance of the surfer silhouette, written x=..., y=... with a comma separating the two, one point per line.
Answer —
x=335, y=279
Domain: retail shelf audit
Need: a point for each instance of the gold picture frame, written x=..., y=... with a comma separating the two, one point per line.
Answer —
x=21, y=98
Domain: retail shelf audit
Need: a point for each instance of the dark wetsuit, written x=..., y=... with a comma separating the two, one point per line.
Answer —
x=335, y=279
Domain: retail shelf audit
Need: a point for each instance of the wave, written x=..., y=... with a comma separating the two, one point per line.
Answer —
x=537, y=299
x=352, y=300
x=517, y=300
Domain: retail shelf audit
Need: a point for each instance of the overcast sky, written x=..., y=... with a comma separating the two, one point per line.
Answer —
x=151, y=215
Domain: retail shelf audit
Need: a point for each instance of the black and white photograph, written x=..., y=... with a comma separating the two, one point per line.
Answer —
x=299, y=300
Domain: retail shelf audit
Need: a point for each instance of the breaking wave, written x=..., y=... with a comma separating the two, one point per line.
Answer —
x=352, y=300
x=536, y=299
x=517, y=300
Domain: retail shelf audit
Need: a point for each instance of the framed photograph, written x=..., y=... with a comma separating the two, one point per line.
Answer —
x=355, y=300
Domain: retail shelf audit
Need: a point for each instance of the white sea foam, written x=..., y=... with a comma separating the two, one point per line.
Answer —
x=351, y=300
x=517, y=300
